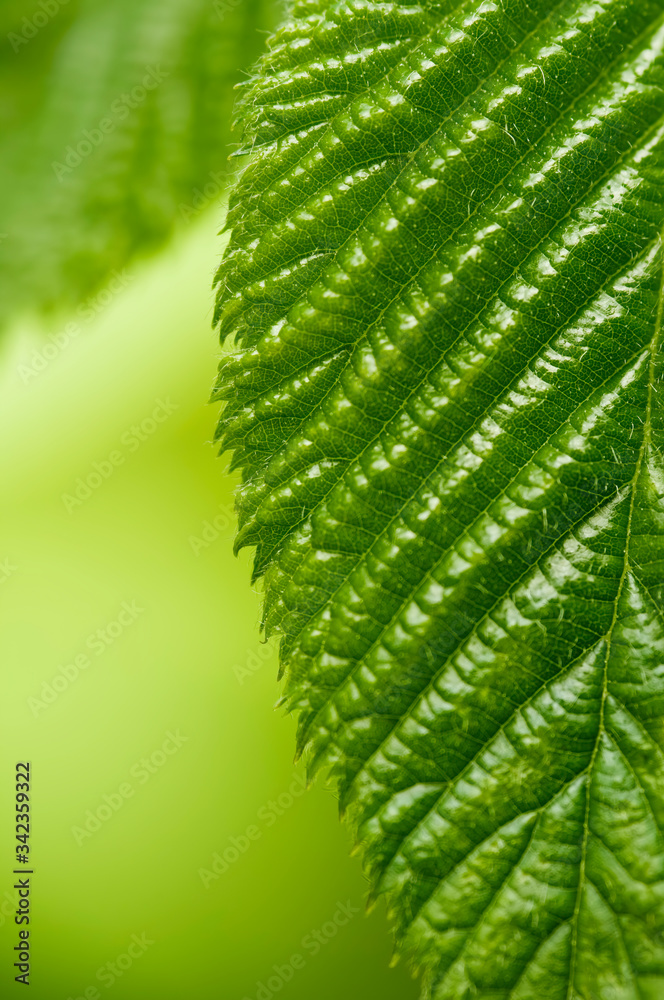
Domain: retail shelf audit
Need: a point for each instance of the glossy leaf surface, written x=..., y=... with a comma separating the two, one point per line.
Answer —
x=444, y=283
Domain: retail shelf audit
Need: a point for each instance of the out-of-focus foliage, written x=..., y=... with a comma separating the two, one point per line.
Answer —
x=114, y=124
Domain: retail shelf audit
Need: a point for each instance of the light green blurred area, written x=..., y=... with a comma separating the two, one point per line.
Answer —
x=190, y=662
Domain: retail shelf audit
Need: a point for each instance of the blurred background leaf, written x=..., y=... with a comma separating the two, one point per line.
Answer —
x=196, y=661
x=95, y=166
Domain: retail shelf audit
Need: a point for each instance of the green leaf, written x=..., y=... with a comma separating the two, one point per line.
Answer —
x=116, y=122
x=444, y=280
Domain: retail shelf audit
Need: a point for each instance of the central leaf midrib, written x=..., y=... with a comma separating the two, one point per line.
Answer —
x=536, y=812
x=654, y=348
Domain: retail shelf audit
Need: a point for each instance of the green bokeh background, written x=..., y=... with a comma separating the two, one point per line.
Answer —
x=184, y=664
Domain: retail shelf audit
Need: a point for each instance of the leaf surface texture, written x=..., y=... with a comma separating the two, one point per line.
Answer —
x=444, y=285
